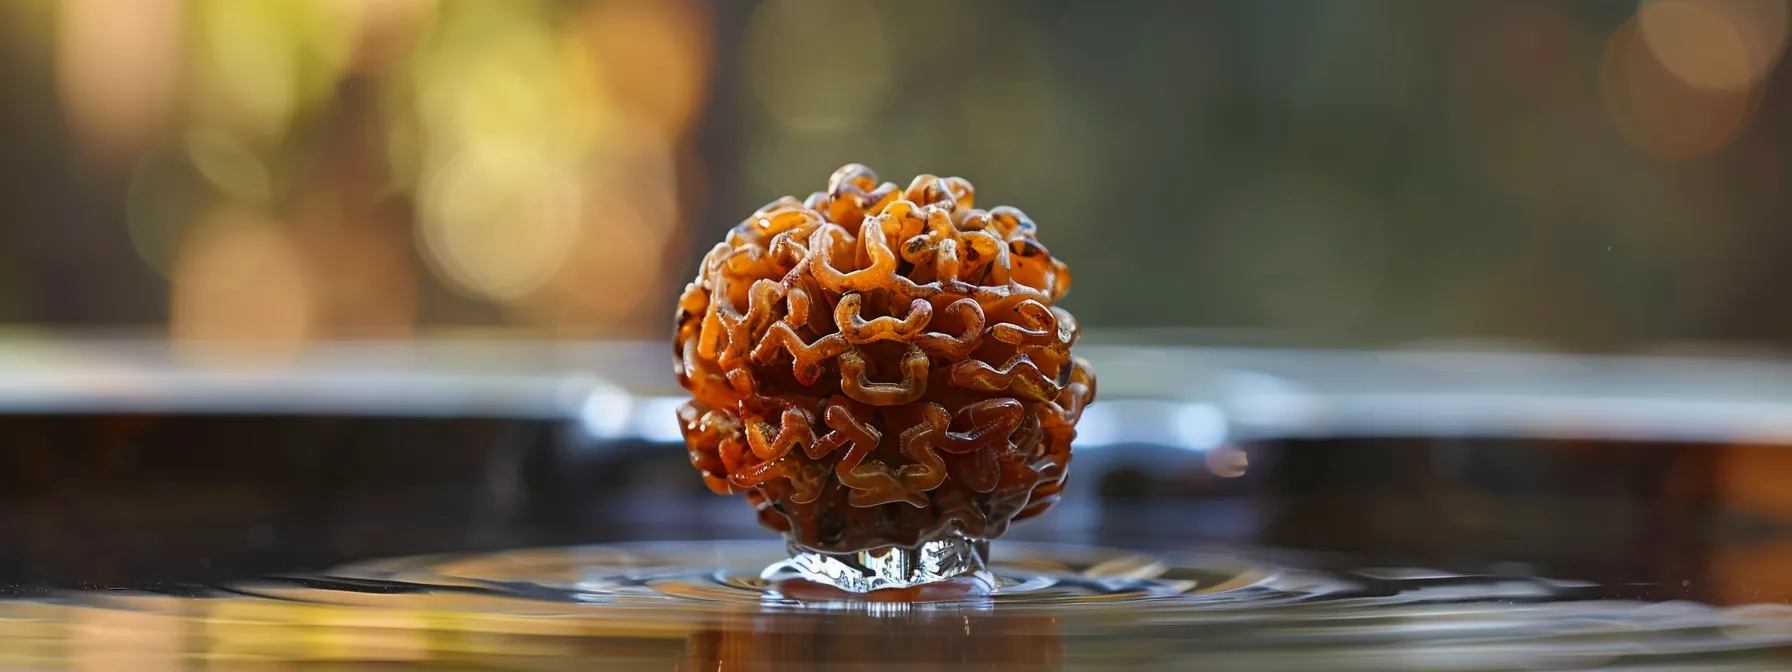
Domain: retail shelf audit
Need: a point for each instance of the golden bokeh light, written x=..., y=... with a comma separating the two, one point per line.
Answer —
x=655, y=57
x=507, y=83
x=1659, y=112
x=1697, y=42
x=553, y=193
x=1715, y=44
x=640, y=168
x=258, y=64
x=538, y=144
x=498, y=226
x=116, y=70
x=817, y=64
x=241, y=279
x=612, y=265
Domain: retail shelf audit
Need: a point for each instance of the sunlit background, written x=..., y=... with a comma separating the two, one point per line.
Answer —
x=1589, y=174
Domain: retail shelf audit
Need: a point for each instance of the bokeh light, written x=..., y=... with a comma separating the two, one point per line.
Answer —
x=499, y=226
x=555, y=194
x=257, y=64
x=655, y=57
x=1227, y=461
x=471, y=100
x=487, y=163
x=1657, y=110
x=240, y=278
x=116, y=70
x=1715, y=44
x=614, y=260
x=499, y=197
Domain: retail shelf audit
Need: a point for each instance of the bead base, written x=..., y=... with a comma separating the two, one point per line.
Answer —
x=955, y=557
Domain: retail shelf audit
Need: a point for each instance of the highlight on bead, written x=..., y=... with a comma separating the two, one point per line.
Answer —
x=876, y=366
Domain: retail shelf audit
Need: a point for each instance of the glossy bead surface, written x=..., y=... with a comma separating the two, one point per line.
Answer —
x=878, y=367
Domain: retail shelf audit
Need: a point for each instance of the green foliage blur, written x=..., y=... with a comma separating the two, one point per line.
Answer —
x=1583, y=174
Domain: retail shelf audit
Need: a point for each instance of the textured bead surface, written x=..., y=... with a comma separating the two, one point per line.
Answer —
x=878, y=366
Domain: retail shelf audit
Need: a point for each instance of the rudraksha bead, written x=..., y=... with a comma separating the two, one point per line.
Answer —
x=876, y=366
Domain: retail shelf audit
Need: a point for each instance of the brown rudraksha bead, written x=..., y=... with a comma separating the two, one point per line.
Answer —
x=877, y=366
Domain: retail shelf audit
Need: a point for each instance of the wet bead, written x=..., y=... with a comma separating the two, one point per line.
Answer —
x=880, y=366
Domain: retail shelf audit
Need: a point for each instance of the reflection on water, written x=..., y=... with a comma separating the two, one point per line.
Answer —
x=701, y=606
x=138, y=528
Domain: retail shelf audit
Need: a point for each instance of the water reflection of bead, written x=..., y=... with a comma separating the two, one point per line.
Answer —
x=878, y=367
x=875, y=634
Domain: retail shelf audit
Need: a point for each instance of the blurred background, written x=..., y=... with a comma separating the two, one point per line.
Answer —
x=1590, y=175
x=1594, y=175
x=457, y=227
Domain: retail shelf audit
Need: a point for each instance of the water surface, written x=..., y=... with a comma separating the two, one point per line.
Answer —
x=702, y=606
